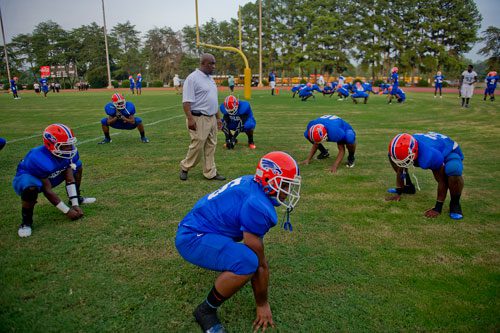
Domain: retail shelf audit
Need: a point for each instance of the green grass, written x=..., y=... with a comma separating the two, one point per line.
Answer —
x=353, y=262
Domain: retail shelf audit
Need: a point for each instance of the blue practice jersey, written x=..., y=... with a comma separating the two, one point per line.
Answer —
x=438, y=79
x=127, y=112
x=491, y=81
x=433, y=148
x=272, y=77
x=132, y=83
x=239, y=206
x=13, y=85
x=395, y=79
x=139, y=82
x=43, y=82
x=336, y=127
x=400, y=93
x=305, y=91
x=243, y=113
x=40, y=163
x=298, y=87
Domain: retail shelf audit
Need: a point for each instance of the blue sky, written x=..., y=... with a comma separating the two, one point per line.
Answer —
x=20, y=16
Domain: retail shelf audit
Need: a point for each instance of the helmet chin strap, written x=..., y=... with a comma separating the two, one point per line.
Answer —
x=286, y=224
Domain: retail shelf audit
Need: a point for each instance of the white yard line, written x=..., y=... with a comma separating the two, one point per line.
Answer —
x=98, y=122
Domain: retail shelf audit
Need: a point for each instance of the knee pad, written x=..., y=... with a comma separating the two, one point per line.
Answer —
x=350, y=137
x=246, y=264
x=29, y=194
x=138, y=121
x=453, y=165
x=104, y=121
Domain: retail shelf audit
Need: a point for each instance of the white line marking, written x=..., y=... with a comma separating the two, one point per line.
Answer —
x=98, y=122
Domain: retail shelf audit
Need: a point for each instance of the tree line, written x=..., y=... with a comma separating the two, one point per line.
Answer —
x=364, y=37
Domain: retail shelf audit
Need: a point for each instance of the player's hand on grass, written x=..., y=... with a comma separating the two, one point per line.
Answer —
x=74, y=213
x=333, y=169
x=264, y=318
x=393, y=198
x=431, y=213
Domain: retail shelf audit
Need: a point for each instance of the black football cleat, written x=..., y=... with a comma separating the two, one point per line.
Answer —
x=208, y=320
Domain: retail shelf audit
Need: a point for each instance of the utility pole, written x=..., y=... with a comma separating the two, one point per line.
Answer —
x=110, y=86
x=5, y=46
x=260, y=43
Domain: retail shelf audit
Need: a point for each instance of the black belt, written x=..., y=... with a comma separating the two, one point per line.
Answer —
x=198, y=114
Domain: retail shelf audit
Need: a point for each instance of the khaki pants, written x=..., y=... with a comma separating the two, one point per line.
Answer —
x=203, y=140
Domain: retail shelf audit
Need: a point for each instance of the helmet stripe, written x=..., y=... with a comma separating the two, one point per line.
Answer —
x=394, y=144
x=66, y=129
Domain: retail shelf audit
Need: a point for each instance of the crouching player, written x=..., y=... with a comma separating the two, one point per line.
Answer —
x=432, y=151
x=225, y=230
x=400, y=95
x=121, y=116
x=491, y=85
x=44, y=168
x=332, y=129
x=237, y=117
x=359, y=92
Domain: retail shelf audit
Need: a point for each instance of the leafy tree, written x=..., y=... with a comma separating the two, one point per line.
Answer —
x=491, y=37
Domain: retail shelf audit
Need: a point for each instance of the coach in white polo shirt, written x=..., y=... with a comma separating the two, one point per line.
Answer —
x=199, y=101
x=467, y=80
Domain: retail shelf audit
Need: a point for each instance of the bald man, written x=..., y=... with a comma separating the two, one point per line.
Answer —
x=200, y=104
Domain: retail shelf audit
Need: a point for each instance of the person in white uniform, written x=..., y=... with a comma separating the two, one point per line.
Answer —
x=467, y=80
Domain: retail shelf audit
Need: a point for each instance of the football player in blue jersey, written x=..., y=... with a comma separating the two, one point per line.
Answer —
x=121, y=115
x=44, y=168
x=44, y=85
x=13, y=88
x=328, y=89
x=359, y=92
x=491, y=85
x=306, y=92
x=296, y=88
x=132, y=83
x=237, y=117
x=3, y=142
x=400, y=95
x=433, y=151
x=395, y=83
x=138, y=84
x=438, y=84
x=332, y=129
x=210, y=235
x=342, y=92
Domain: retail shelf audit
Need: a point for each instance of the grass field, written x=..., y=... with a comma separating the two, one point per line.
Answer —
x=353, y=262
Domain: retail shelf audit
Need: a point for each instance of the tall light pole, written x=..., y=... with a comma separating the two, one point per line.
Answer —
x=110, y=86
x=5, y=47
x=260, y=43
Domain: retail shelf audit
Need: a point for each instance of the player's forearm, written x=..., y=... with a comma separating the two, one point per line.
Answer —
x=442, y=191
x=340, y=156
x=313, y=150
x=112, y=120
x=260, y=283
x=52, y=196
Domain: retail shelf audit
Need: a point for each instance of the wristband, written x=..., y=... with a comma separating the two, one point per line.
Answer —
x=62, y=207
x=72, y=193
x=438, y=207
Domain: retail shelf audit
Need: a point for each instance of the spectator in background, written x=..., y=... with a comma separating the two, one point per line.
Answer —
x=272, y=81
x=177, y=84
x=230, y=82
x=58, y=86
